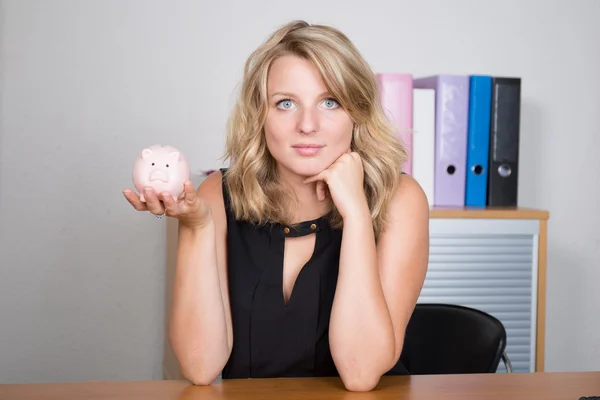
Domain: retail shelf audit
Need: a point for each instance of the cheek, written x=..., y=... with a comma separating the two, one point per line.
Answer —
x=280, y=122
x=341, y=130
x=274, y=135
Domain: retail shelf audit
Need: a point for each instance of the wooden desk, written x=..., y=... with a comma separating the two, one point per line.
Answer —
x=526, y=386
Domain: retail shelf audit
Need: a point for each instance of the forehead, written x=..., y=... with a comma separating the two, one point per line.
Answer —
x=294, y=74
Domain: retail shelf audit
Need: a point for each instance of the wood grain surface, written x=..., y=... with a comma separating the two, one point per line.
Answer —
x=516, y=386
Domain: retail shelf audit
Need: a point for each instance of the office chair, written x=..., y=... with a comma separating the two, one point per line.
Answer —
x=453, y=339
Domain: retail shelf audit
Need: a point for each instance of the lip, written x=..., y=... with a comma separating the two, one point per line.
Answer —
x=307, y=146
x=306, y=149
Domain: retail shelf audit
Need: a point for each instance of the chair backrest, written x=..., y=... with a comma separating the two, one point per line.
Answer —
x=452, y=339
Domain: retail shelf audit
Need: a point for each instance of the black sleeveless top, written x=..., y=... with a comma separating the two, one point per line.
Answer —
x=272, y=338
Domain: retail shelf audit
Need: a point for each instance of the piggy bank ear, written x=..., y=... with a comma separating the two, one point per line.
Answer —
x=174, y=155
x=146, y=153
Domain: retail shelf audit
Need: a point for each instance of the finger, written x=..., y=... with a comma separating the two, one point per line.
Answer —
x=189, y=192
x=152, y=201
x=182, y=194
x=342, y=156
x=134, y=200
x=170, y=204
x=320, y=177
x=321, y=190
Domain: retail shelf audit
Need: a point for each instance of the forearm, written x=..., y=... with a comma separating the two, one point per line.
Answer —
x=361, y=332
x=198, y=328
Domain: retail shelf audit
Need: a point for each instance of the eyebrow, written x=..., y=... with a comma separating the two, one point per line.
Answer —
x=286, y=94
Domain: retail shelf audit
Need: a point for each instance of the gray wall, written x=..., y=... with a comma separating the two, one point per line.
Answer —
x=85, y=85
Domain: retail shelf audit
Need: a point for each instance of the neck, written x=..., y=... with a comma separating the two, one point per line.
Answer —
x=309, y=207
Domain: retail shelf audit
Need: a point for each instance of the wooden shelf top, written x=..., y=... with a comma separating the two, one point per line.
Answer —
x=488, y=212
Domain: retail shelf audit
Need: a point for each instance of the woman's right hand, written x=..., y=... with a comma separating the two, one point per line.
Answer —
x=191, y=210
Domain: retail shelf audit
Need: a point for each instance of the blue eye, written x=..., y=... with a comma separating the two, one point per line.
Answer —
x=285, y=104
x=331, y=103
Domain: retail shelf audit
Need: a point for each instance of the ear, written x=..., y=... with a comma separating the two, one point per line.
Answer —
x=146, y=153
x=174, y=155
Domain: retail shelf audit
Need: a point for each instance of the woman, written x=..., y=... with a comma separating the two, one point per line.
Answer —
x=307, y=255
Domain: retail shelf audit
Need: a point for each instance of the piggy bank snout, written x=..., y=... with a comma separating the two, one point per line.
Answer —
x=163, y=170
x=159, y=175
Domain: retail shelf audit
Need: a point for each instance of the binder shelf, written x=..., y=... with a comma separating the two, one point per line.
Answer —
x=493, y=259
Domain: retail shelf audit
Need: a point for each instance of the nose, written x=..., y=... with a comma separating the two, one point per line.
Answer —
x=308, y=122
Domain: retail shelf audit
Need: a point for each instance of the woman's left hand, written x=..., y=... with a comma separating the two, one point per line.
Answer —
x=344, y=180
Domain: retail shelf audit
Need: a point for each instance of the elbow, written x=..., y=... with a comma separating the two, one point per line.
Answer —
x=200, y=378
x=201, y=365
x=360, y=383
x=357, y=378
x=202, y=372
x=362, y=374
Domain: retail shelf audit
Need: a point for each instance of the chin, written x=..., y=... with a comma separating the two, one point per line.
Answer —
x=305, y=168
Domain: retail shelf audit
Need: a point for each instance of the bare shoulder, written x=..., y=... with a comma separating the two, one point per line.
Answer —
x=407, y=224
x=211, y=190
x=211, y=187
x=409, y=201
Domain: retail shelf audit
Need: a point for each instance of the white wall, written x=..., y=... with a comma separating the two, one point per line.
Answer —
x=85, y=85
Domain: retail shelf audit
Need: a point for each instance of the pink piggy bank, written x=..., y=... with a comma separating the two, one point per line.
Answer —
x=162, y=167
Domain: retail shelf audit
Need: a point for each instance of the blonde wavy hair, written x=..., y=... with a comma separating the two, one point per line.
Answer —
x=256, y=194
